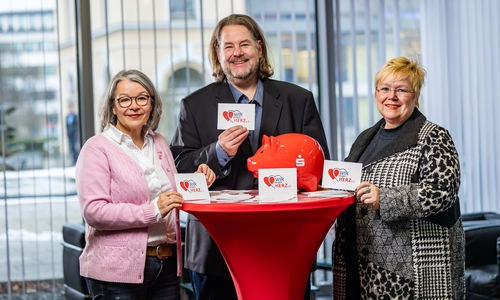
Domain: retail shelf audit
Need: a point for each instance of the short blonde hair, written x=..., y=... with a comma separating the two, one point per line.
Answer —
x=402, y=68
x=106, y=111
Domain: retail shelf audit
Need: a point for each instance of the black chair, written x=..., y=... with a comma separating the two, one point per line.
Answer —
x=479, y=216
x=482, y=255
x=75, y=287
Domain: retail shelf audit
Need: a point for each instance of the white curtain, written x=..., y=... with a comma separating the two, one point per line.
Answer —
x=460, y=50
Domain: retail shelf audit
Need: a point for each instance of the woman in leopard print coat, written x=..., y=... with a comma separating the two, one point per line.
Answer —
x=403, y=237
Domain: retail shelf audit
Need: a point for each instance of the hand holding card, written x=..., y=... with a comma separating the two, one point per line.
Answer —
x=231, y=139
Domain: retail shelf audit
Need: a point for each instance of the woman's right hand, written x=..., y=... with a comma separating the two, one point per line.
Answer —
x=169, y=200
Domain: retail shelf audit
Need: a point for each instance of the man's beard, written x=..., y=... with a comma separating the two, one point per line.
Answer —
x=243, y=75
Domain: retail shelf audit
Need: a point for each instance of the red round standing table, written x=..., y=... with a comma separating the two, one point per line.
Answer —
x=270, y=247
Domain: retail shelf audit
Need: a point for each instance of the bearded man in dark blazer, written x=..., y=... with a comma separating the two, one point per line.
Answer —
x=238, y=54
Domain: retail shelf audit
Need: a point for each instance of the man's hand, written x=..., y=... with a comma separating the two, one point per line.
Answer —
x=232, y=138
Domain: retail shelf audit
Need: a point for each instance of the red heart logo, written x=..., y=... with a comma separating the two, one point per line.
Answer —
x=333, y=173
x=228, y=115
x=269, y=180
x=184, y=185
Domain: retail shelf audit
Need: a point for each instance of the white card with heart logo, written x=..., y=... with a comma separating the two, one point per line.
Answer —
x=341, y=175
x=229, y=115
x=277, y=183
x=192, y=186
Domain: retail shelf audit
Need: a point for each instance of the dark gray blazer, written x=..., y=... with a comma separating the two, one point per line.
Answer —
x=286, y=108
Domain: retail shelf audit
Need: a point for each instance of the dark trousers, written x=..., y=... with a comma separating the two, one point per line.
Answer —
x=209, y=287
x=160, y=282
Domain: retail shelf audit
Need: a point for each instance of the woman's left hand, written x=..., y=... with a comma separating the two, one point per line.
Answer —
x=368, y=193
x=169, y=200
x=209, y=173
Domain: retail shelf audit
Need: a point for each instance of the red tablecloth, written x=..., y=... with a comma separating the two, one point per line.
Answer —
x=270, y=247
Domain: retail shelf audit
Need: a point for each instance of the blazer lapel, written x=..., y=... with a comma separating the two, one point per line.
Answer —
x=271, y=110
x=407, y=137
x=223, y=94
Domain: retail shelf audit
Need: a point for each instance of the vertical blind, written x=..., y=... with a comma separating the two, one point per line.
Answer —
x=460, y=52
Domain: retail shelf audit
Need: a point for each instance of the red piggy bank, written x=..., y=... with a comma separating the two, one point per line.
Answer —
x=291, y=150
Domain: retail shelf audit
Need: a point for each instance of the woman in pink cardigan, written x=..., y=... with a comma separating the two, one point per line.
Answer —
x=126, y=188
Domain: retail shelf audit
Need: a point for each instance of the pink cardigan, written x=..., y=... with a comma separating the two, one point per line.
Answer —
x=114, y=199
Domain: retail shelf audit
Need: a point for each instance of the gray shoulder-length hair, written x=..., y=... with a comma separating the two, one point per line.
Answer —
x=106, y=111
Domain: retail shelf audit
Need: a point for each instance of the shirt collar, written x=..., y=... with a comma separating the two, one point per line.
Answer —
x=116, y=135
x=259, y=93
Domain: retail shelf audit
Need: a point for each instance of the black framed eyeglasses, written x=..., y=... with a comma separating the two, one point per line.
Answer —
x=126, y=101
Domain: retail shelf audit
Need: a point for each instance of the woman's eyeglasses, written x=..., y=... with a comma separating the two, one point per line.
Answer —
x=126, y=101
x=384, y=91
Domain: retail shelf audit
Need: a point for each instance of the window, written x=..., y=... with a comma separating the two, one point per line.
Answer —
x=48, y=22
x=32, y=46
x=179, y=9
x=36, y=22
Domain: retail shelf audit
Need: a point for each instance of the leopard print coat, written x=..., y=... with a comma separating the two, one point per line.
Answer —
x=413, y=247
